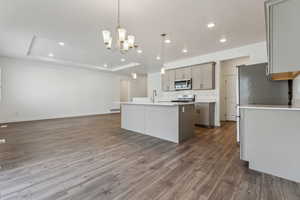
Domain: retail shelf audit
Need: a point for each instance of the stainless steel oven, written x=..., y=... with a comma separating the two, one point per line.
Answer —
x=183, y=84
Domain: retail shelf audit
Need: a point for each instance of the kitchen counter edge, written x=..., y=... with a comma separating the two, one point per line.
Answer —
x=270, y=107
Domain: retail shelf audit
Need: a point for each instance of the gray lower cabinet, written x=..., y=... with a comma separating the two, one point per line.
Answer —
x=186, y=122
x=205, y=114
x=283, y=30
x=203, y=76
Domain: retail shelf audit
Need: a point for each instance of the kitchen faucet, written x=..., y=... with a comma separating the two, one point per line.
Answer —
x=154, y=94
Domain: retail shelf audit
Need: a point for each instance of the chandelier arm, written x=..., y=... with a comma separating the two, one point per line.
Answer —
x=163, y=50
x=118, y=14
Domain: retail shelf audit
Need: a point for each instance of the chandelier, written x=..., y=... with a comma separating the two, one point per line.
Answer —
x=123, y=42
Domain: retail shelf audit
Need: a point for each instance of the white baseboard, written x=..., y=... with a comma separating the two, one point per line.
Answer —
x=54, y=117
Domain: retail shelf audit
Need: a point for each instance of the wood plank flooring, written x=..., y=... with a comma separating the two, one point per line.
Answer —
x=91, y=158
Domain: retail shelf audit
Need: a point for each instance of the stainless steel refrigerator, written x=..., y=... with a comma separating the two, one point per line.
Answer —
x=255, y=87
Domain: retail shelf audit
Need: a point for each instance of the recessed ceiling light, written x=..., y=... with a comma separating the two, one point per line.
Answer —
x=122, y=59
x=157, y=57
x=211, y=25
x=105, y=65
x=167, y=41
x=50, y=55
x=223, y=40
x=61, y=43
x=139, y=51
x=184, y=50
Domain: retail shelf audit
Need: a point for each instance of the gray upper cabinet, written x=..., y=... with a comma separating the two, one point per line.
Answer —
x=203, y=76
x=171, y=75
x=165, y=82
x=168, y=80
x=183, y=73
x=283, y=30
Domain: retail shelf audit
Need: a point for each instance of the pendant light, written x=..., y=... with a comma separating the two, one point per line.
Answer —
x=162, y=56
x=123, y=42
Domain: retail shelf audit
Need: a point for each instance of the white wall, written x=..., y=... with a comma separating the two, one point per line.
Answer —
x=33, y=90
x=257, y=53
x=154, y=83
x=124, y=90
x=138, y=87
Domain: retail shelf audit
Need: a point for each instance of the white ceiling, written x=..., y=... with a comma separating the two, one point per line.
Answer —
x=78, y=23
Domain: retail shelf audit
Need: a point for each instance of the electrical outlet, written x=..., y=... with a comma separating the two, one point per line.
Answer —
x=4, y=126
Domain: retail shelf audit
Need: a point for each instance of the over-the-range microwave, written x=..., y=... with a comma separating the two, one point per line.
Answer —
x=185, y=84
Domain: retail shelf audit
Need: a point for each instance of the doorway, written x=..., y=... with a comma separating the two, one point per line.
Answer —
x=230, y=97
x=124, y=90
x=228, y=92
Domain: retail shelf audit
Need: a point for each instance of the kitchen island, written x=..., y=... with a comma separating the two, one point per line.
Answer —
x=165, y=120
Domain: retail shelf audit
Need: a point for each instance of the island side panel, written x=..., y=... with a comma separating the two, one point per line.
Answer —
x=272, y=142
x=186, y=122
x=162, y=122
x=133, y=117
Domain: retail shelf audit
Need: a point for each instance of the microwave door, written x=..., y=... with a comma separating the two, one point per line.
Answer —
x=182, y=84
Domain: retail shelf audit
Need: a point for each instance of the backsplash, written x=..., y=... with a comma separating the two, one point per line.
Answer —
x=200, y=94
x=296, y=102
x=296, y=91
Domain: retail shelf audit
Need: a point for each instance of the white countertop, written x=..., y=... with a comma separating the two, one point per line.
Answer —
x=270, y=107
x=197, y=100
x=159, y=103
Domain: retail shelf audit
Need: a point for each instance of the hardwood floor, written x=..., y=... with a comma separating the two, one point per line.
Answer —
x=92, y=158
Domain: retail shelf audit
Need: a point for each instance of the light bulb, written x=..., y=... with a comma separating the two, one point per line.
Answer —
x=210, y=25
x=184, y=50
x=106, y=37
x=167, y=41
x=125, y=45
x=130, y=41
x=122, y=34
x=162, y=71
x=223, y=40
x=134, y=75
x=108, y=45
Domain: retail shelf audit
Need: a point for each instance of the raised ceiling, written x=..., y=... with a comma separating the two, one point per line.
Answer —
x=78, y=23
